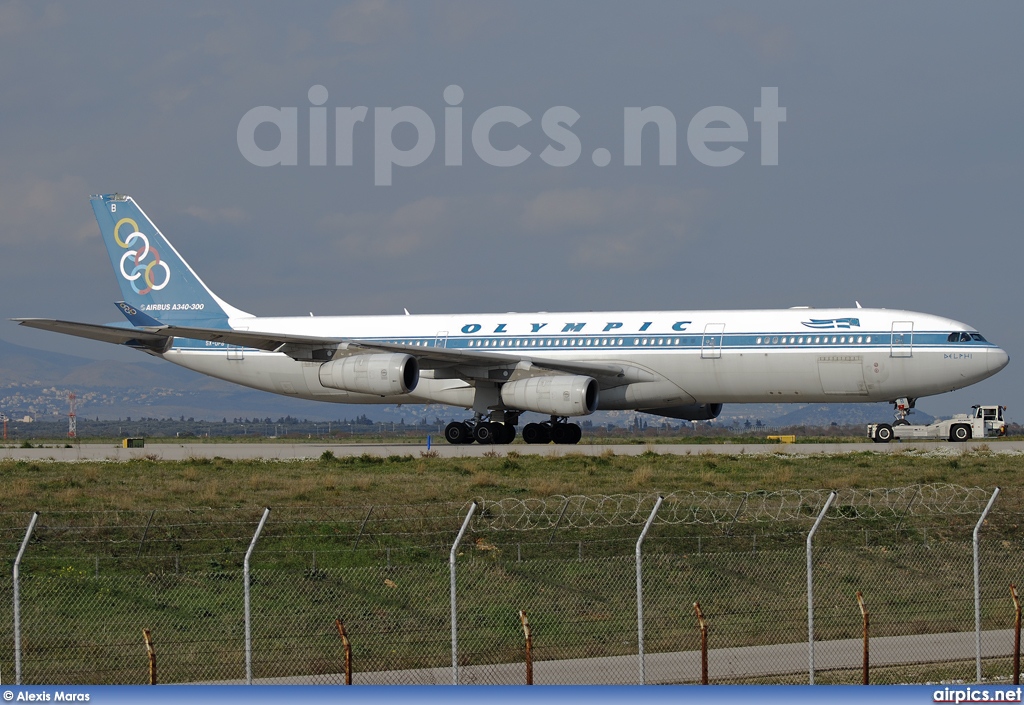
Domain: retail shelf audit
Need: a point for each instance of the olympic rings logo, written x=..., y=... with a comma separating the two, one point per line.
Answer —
x=135, y=258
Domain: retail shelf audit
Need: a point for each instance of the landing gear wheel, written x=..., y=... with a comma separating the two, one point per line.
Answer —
x=485, y=433
x=566, y=433
x=883, y=433
x=900, y=422
x=534, y=433
x=960, y=433
x=458, y=433
x=508, y=433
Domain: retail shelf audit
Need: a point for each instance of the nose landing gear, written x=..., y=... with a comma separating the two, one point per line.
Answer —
x=902, y=407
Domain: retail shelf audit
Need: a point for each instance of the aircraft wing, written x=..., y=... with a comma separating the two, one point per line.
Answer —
x=314, y=348
x=304, y=347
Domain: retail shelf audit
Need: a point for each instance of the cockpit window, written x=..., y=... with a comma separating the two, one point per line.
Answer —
x=964, y=337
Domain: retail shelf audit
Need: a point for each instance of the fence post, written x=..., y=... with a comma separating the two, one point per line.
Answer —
x=1016, y=634
x=17, y=599
x=866, y=617
x=810, y=584
x=977, y=583
x=703, y=644
x=348, y=650
x=529, y=647
x=151, y=654
x=248, y=608
x=640, y=590
x=451, y=571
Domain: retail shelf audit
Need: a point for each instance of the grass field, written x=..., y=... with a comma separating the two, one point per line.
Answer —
x=413, y=478
x=121, y=546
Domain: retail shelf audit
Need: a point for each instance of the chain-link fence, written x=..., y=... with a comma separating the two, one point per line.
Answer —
x=90, y=582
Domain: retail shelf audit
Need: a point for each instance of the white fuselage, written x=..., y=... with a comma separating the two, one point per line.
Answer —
x=791, y=355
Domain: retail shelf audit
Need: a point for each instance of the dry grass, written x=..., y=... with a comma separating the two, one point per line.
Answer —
x=197, y=482
x=641, y=478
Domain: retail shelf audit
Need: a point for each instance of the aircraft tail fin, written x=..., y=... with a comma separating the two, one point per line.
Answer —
x=154, y=278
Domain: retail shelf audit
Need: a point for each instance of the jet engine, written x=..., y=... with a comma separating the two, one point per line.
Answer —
x=689, y=412
x=562, y=395
x=383, y=374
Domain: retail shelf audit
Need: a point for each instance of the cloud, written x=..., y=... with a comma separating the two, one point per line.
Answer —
x=468, y=21
x=20, y=18
x=367, y=22
x=774, y=43
x=46, y=210
x=611, y=228
x=413, y=229
x=215, y=216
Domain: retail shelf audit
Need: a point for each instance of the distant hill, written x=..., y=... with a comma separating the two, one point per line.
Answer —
x=845, y=415
x=19, y=364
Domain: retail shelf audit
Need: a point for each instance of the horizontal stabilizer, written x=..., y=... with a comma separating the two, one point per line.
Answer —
x=104, y=333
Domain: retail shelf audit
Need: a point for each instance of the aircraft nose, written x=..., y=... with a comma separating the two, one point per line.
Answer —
x=997, y=360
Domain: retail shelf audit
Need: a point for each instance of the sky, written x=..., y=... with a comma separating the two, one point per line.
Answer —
x=895, y=178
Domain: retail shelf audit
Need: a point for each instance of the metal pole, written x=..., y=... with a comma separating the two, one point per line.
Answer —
x=248, y=610
x=977, y=584
x=640, y=590
x=451, y=570
x=17, y=600
x=810, y=584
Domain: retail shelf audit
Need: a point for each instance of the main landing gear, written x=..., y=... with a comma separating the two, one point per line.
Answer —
x=556, y=430
x=481, y=431
x=497, y=433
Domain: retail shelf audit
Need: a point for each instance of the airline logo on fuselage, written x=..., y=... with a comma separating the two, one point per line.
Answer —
x=832, y=323
x=571, y=327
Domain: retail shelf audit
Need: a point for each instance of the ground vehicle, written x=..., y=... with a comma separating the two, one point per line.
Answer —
x=983, y=422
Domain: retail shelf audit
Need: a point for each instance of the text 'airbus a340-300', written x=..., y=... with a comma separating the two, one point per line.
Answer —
x=677, y=364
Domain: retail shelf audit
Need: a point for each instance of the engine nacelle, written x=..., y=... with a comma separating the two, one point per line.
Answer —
x=383, y=374
x=562, y=395
x=689, y=412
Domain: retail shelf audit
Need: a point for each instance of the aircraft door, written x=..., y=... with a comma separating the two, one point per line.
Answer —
x=902, y=339
x=711, y=343
x=441, y=339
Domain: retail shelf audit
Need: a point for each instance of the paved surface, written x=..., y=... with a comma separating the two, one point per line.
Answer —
x=290, y=451
x=684, y=667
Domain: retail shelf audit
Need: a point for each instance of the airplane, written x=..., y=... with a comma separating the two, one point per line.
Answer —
x=676, y=364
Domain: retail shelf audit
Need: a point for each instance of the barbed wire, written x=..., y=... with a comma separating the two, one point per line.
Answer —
x=209, y=530
x=693, y=508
